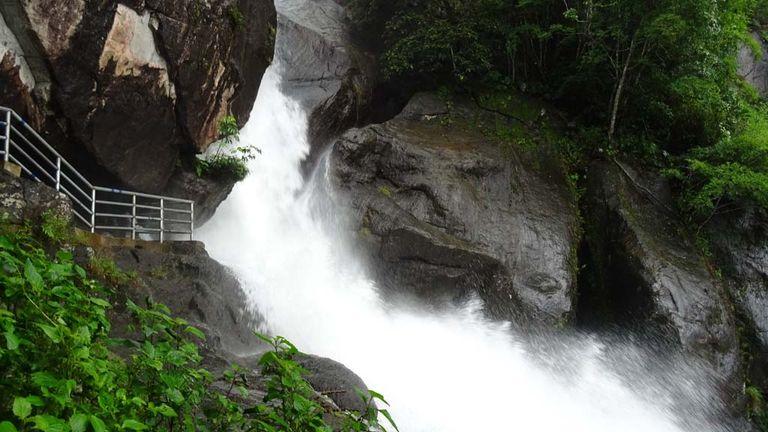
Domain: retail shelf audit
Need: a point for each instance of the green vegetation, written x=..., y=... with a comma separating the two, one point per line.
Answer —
x=758, y=412
x=655, y=81
x=236, y=17
x=230, y=160
x=60, y=370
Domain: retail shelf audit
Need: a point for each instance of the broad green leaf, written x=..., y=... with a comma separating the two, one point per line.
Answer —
x=166, y=411
x=388, y=416
x=99, y=302
x=33, y=277
x=78, y=422
x=50, y=331
x=134, y=425
x=11, y=340
x=195, y=332
x=7, y=426
x=22, y=408
x=97, y=424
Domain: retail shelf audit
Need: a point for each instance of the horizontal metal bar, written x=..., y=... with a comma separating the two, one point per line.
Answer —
x=139, y=229
x=72, y=197
x=189, y=212
x=86, y=195
x=82, y=218
x=116, y=228
x=45, y=143
x=23, y=168
x=37, y=150
x=115, y=203
x=53, y=179
x=139, y=194
x=122, y=216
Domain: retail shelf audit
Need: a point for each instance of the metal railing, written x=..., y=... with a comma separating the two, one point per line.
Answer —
x=100, y=209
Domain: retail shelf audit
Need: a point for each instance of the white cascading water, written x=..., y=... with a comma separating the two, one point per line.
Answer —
x=452, y=371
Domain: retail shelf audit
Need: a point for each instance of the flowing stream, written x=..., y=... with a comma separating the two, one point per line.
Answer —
x=284, y=237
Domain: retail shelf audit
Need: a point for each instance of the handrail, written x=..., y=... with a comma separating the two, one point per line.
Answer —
x=146, y=214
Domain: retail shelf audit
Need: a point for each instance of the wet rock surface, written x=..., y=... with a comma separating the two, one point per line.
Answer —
x=128, y=88
x=446, y=214
x=740, y=245
x=324, y=68
x=643, y=275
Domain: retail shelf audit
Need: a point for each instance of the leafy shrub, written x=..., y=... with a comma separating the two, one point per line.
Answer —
x=58, y=373
x=729, y=175
x=229, y=161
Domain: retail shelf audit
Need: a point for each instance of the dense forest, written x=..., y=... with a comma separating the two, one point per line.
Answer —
x=654, y=80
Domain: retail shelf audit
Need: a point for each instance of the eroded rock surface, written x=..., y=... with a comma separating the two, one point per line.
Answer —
x=447, y=212
x=138, y=85
x=324, y=68
x=740, y=244
x=645, y=275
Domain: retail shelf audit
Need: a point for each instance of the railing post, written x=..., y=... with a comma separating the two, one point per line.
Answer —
x=133, y=218
x=58, y=173
x=162, y=219
x=191, y=220
x=93, y=210
x=7, y=135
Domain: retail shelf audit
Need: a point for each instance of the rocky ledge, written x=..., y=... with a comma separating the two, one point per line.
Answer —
x=195, y=287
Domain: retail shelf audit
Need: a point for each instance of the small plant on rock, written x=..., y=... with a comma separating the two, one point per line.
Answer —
x=230, y=160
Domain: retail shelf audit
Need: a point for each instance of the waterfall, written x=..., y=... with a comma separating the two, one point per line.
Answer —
x=450, y=371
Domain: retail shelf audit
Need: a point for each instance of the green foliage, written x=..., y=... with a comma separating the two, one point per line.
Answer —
x=105, y=269
x=236, y=16
x=229, y=161
x=58, y=373
x=55, y=227
x=729, y=175
x=757, y=410
x=657, y=79
x=291, y=405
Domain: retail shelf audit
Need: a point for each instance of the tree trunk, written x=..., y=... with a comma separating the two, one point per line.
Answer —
x=620, y=88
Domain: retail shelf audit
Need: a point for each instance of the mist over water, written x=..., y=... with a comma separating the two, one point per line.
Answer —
x=285, y=238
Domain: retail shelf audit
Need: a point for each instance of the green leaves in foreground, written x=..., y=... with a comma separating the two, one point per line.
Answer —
x=58, y=373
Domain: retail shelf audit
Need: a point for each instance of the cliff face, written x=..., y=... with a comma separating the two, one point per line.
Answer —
x=127, y=88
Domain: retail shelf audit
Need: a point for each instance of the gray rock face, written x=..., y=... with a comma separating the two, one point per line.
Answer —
x=24, y=200
x=446, y=213
x=646, y=276
x=753, y=67
x=323, y=67
x=740, y=244
x=126, y=88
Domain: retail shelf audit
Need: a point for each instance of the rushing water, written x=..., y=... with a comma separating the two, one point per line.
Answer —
x=452, y=371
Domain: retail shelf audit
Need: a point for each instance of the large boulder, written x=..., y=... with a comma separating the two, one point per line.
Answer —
x=740, y=244
x=447, y=212
x=135, y=85
x=642, y=274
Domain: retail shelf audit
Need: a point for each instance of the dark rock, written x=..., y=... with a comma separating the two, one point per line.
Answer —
x=333, y=379
x=331, y=75
x=642, y=274
x=740, y=244
x=447, y=212
x=136, y=84
x=25, y=200
x=206, y=192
